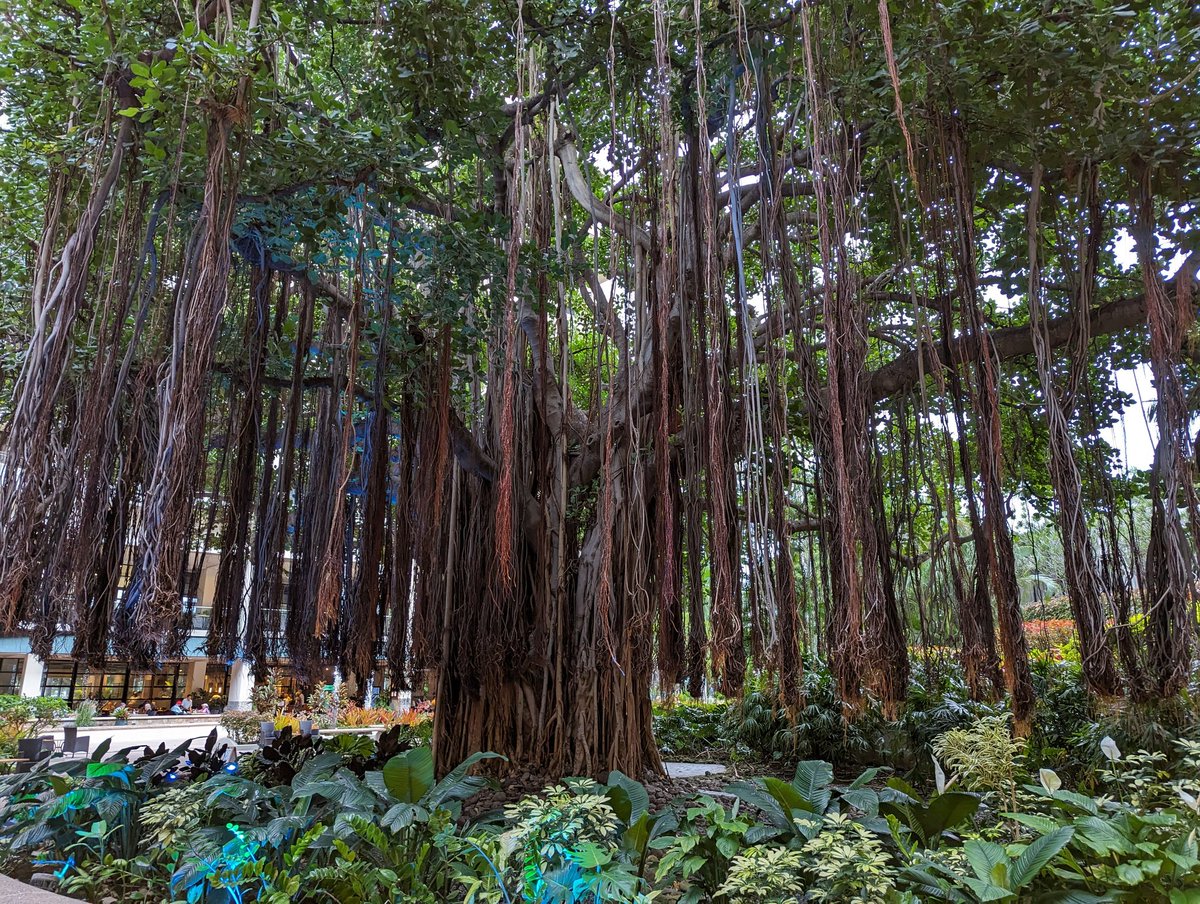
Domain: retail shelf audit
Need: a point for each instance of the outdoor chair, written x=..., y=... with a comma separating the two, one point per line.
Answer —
x=32, y=750
x=73, y=742
x=266, y=733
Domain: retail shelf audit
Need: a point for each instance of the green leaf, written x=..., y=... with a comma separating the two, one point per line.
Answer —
x=99, y=770
x=409, y=775
x=865, y=800
x=787, y=796
x=983, y=857
x=1102, y=836
x=812, y=783
x=948, y=811
x=1130, y=874
x=1040, y=824
x=618, y=799
x=867, y=776
x=457, y=785
x=987, y=891
x=639, y=797
x=1039, y=852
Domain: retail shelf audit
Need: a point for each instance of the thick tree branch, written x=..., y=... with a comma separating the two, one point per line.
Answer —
x=582, y=193
x=1010, y=342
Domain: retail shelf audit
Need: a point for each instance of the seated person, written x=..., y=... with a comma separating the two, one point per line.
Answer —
x=186, y=703
x=148, y=709
x=177, y=709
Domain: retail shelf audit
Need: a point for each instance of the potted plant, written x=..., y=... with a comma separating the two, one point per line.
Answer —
x=121, y=714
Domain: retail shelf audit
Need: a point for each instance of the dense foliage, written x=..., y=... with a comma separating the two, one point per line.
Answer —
x=346, y=820
x=27, y=717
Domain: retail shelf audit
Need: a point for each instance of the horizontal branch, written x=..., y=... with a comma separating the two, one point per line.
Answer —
x=1010, y=342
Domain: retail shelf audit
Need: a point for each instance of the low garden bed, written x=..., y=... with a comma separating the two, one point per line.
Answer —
x=352, y=819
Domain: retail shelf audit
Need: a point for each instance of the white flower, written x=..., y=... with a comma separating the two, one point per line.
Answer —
x=1049, y=779
x=1110, y=749
x=939, y=776
x=1192, y=803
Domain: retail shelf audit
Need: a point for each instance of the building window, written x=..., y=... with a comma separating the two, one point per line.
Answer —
x=58, y=680
x=201, y=619
x=11, y=670
x=68, y=681
x=216, y=682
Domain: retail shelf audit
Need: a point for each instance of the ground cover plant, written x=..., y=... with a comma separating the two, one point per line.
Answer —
x=350, y=820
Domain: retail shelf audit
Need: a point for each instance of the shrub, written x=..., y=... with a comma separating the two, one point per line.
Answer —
x=689, y=728
x=548, y=830
x=764, y=875
x=355, y=716
x=985, y=755
x=85, y=713
x=242, y=725
x=1049, y=634
x=26, y=717
x=848, y=863
x=264, y=698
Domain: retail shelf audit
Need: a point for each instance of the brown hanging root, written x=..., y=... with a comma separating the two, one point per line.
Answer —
x=1083, y=582
x=670, y=653
x=56, y=304
x=148, y=616
x=997, y=549
x=332, y=567
x=1170, y=555
x=726, y=647
x=225, y=624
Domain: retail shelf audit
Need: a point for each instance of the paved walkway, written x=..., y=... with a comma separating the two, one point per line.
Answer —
x=692, y=770
x=12, y=892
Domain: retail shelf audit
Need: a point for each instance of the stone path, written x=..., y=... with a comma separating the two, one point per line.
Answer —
x=693, y=770
x=12, y=891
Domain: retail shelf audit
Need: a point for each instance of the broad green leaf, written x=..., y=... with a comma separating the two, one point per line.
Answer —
x=983, y=857
x=639, y=797
x=812, y=783
x=1037, y=854
x=409, y=775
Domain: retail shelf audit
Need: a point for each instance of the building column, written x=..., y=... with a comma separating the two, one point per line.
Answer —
x=194, y=677
x=241, y=683
x=31, y=677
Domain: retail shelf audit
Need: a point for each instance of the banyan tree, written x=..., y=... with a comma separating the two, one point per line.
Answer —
x=562, y=353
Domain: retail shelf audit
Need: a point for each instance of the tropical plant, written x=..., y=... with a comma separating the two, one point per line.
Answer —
x=795, y=811
x=985, y=755
x=85, y=713
x=689, y=728
x=242, y=725
x=916, y=823
x=847, y=863
x=700, y=855
x=764, y=874
x=998, y=872
x=25, y=717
